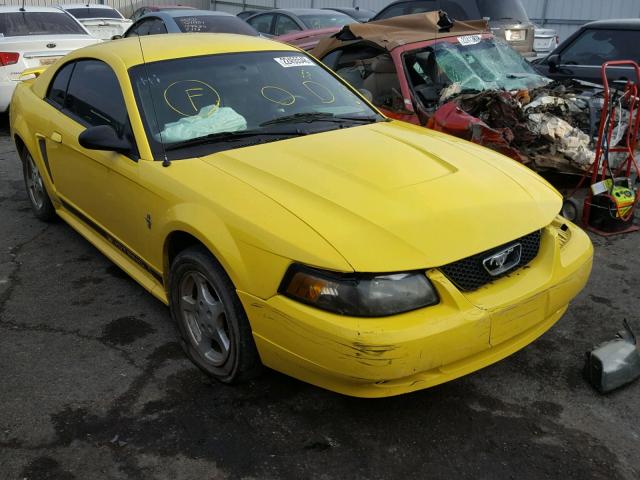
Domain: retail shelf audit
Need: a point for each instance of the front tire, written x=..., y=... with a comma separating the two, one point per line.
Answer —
x=215, y=331
x=36, y=191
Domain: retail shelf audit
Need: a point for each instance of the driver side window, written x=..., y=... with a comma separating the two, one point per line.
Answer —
x=141, y=28
x=285, y=25
x=592, y=47
x=147, y=26
x=156, y=27
x=94, y=96
x=262, y=23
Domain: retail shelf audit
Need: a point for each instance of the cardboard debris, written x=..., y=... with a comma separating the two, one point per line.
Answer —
x=570, y=141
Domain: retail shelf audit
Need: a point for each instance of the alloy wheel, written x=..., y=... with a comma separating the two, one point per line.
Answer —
x=35, y=185
x=205, y=316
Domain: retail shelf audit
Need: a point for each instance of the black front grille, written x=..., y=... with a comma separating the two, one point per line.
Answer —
x=469, y=274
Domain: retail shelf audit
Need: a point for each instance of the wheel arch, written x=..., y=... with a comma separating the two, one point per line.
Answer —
x=20, y=144
x=179, y=240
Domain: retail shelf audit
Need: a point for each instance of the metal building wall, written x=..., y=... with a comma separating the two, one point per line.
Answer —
x=566, y=16
x=235, y=6
x=126, y=7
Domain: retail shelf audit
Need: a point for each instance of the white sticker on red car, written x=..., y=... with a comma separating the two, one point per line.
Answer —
x=469, y=39
x=299, y=61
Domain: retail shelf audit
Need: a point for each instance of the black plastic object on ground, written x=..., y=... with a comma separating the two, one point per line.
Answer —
x=615, y=363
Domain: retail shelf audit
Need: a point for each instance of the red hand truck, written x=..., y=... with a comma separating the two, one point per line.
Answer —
x=606, y=213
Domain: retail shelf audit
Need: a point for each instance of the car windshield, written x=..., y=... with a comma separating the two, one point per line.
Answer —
x=214, y=24
x=199, y=105
x=14, y=24
x=325, y=20
x=473, y=65
x=88, y=12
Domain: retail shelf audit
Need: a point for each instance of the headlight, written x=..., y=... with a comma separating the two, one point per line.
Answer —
x=359, y=295
x=515, y=35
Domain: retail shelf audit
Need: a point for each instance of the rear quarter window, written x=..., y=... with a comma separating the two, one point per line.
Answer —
x=58, y=88
x=14, y=24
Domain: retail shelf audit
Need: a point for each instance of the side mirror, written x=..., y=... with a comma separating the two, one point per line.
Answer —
x=116, y=37
x=103, y=137
x=553, y=61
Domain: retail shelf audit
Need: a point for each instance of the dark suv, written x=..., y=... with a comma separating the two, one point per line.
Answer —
x=507, y=18
x=582, y=54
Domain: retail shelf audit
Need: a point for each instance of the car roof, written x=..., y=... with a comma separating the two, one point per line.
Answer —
x=158, y=8
x=299, y=11
x=307, y=11
x=86, y=5
x=622, y=24
x=348, y=9
x=186, y=12
x=177, y=45
x=29, y=8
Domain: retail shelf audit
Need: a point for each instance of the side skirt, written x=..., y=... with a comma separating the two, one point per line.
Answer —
x=115, y=251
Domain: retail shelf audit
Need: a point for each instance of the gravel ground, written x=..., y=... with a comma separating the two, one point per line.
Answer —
x=94, y=386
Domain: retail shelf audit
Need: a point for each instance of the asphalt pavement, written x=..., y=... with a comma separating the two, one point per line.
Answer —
x=94, y=386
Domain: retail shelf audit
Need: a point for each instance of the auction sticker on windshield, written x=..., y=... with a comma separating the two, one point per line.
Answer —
x=469, y=39
x=299, y=61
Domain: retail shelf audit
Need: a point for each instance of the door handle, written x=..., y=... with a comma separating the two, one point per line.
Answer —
x=56, y=137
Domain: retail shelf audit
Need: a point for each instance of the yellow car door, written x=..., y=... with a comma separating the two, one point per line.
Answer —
x=100, y=187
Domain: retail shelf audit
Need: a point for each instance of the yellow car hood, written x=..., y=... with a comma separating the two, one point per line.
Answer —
x=390, y=196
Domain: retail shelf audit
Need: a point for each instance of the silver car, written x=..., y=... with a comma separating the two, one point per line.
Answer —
x=507, y=18
x=545, y=41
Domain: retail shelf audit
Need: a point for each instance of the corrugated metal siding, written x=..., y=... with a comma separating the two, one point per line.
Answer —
x=566, y=16
x=563, y=15
x=126, y=7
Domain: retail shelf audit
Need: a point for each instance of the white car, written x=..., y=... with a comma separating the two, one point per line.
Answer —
x=545, y=41
x=102, y=21
x=32, y=37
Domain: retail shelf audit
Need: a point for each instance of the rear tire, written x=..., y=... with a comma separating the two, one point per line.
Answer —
x=36, y=191
x=215, y=331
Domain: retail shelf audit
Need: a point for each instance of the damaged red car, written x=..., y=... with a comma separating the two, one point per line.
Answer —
x=456, y=77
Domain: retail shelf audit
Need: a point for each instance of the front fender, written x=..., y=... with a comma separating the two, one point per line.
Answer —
x=250, y=268
x=198, y=222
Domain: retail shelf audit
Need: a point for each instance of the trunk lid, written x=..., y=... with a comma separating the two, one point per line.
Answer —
x=105, y=28
x=37, y=50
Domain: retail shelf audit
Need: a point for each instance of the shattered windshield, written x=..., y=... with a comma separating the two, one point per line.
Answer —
x=475, y=66
x=199, y=105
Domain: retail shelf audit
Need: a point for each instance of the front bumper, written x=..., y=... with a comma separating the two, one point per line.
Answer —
x=377, y=357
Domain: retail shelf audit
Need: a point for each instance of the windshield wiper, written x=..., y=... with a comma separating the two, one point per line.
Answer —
x=309, y=117
x=232, y=137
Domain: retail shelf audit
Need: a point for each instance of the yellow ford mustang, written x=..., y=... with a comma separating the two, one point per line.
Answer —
x=286, y=222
